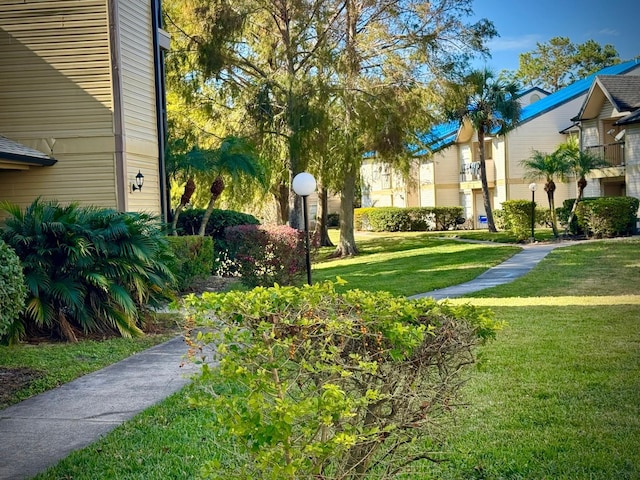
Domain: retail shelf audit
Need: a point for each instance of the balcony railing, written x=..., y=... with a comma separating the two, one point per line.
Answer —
x=470, y=172
x=612, y=153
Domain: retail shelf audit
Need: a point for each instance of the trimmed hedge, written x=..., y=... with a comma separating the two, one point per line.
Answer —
x=516, y=215
x=189, y=221
x=193, y=259
x=13, y=293
x=608, y=216
x=266, y=255
x=418, y=219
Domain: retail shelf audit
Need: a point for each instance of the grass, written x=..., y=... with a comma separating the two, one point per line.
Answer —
x=555, y=396
x=410, y=263
x=48, y=365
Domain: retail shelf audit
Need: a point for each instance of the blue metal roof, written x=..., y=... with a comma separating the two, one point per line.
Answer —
x=444, y=134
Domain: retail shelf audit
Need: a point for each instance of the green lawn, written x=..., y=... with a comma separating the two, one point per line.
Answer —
x=555, y=396
x=48, y=365
x=410, y=263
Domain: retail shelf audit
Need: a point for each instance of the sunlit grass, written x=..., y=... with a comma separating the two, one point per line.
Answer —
x=555, y=396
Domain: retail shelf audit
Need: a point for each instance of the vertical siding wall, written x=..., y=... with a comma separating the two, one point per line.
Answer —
x=138, y=102
x=55, y=96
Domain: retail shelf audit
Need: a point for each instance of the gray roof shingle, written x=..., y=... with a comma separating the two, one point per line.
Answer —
x=14, y=151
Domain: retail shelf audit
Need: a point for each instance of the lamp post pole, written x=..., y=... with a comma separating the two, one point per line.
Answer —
x=533, y=187
x=304, y=185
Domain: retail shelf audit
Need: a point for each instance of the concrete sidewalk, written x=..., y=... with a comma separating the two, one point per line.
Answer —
x=505, y=272
x=38, y=432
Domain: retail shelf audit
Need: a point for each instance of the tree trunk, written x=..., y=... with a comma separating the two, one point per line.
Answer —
x=281, y=196
x=582, y=184
x=347, y=245
x=217, y=188
x=189, y=188
x=485, y=184
x=65, y=329
x=550, y=188
x=322, y=229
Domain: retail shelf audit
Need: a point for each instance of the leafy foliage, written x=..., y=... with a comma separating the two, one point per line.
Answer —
x=559, y=62
x=608, y=216
x=266, y=255
x=193, y=259
x=396, y=219
x=517, y=218
x=315, y=384
x=87, y=267
x=12, y=294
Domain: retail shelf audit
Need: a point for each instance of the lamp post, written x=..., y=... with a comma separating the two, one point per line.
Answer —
x=304, y=185
x=533, y=187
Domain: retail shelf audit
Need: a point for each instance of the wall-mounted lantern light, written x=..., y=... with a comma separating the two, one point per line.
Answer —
x=139, y=182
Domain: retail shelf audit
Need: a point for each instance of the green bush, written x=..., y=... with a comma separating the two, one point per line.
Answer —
x=333, y=220
x=389, y=219
x=12, y=294
x=311, y=383
x=266, y=255
x=608, y=216
x=517, y=218
x=396, y=219
x=193, y=259
x=88, y=268
x=189, y=222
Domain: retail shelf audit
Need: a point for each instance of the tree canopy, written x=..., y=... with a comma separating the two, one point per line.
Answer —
x=559, y=62
x=316, y=84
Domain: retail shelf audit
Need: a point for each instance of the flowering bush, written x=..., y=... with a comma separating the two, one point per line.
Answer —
x=266, y=255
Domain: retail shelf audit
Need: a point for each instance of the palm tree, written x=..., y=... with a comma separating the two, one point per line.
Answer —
x=547, y=166
x=581, y=163
x=235, y=158
x=491, y=107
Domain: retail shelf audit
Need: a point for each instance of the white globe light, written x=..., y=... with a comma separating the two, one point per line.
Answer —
x=304, y=184
x=533, y=187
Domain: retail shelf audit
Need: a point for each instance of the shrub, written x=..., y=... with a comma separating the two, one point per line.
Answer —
x=310, y=383
x=87, y=267
x=361, y=218
x=389, y=219
x=608, y=216
x=189, y=221
x=333, y=220
x=266, y=255
x=12, y=295
x=396, y=219
x=517, y=218
x=193, y=259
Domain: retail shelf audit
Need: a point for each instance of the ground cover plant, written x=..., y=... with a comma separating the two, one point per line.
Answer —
x=555, y=396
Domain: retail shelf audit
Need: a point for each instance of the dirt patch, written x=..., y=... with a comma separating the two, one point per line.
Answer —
x=212, y=284
x=13, y=380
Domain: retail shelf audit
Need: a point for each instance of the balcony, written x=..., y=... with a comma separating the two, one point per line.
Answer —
x=470, y=174
x=612, y=153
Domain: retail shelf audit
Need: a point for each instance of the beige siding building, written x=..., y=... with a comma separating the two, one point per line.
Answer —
x=447, y=172
x=81, y=102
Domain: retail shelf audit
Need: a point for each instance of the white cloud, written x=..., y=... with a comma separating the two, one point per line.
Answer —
x=609, y=31
x=520, y=44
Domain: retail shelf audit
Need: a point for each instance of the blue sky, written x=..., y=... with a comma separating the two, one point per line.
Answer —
x=523, y=23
